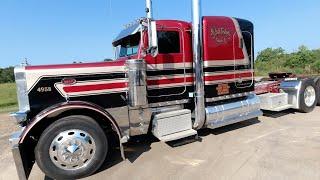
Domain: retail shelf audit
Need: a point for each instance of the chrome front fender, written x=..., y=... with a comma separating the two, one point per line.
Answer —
x=22, y=169
x=63, y=107
x=19, y=140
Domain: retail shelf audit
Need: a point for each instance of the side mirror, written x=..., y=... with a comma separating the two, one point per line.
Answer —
x=153, y=38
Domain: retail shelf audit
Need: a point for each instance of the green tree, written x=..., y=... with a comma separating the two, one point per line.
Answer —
x=270, y=54
x=301, y=58
x=302, y=61
x=316, y=66
x=6, y=75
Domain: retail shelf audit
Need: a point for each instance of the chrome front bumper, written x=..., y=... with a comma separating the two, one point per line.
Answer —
x=14, y=142
x=229, y=113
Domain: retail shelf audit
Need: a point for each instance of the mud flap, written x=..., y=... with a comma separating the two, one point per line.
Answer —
x=23, y=157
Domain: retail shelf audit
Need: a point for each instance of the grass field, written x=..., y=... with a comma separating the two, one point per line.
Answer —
x=8, y=97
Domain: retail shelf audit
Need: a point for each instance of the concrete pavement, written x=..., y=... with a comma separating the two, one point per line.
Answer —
x=281, y=146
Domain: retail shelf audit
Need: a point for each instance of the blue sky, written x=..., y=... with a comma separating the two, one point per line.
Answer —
x=62, y=31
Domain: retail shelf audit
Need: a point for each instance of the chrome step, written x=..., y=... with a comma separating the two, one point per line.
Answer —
x=274, y=102
x=280, y=108
x=178, y=135
x=173, y=125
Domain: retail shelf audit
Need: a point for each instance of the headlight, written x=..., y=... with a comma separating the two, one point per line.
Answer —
x=23, y=100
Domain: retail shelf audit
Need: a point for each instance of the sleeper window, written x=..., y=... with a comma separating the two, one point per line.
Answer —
x=168, y=42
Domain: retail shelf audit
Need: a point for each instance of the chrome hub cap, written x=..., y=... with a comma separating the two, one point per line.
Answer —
x=309, y=96
x=72, y=149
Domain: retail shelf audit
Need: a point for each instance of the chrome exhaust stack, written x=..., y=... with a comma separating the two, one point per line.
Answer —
x=149, y=9
x=152, y=30
x=200, y=114
x=137, y=83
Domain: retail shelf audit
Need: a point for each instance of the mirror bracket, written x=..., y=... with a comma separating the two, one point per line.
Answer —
x=152, y=38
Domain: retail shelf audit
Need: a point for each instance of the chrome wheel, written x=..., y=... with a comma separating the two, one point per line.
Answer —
x=309, y=96
x=72, y=149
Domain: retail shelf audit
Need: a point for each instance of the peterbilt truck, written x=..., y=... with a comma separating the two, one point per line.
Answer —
x=170, y=78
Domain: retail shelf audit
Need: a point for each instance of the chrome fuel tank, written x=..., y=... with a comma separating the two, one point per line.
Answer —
x=233, y=112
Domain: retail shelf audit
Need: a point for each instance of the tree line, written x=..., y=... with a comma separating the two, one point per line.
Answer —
x=302, y=61
x=6, y=75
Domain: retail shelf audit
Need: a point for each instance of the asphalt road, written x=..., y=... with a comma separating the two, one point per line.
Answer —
x=281, y=146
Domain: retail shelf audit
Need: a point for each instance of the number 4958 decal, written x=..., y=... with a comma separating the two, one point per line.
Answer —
x=44, y=89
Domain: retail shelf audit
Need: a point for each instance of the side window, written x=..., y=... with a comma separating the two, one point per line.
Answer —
x=128, y=51
x=168, y=42
x=129, y=45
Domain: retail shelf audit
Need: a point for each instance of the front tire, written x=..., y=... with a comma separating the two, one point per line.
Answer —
x=308, y=96
x=73, y=147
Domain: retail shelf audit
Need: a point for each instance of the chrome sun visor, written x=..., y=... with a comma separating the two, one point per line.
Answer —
x=131, y=30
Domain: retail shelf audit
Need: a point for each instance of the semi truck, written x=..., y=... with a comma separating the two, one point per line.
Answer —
x=170, y=78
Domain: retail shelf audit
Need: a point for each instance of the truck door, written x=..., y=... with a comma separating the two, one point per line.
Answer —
x=167, y=73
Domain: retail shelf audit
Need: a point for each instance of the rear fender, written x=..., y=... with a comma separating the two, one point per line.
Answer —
x=292, y=88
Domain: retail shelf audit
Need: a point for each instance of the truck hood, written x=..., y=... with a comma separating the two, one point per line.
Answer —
x=33, y=74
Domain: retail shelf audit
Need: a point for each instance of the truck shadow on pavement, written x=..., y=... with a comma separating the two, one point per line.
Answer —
x=133, y=149
x=141, y=144
x=231, y=127
x=273, y=114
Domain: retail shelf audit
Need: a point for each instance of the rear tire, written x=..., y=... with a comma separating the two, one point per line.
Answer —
x=318, y=91
x=73, y=147
x=308, y=96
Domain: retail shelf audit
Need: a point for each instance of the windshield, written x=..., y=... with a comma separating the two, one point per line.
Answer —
x=129, y=45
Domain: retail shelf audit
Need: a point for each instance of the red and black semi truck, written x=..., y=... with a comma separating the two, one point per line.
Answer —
x=170, y=78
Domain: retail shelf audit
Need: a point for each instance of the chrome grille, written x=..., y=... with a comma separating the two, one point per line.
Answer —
x=20, y=77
